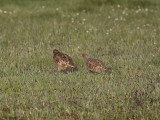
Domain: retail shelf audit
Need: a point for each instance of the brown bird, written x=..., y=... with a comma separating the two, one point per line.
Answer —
x=63, y=61
x=95, y=65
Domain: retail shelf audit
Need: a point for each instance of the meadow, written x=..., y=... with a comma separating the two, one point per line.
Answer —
x=124, y=34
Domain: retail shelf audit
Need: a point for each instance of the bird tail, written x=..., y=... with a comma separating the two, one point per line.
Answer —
x=74, y=68
x=107, y=68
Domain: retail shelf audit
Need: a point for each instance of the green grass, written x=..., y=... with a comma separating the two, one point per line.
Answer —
x=124, y=34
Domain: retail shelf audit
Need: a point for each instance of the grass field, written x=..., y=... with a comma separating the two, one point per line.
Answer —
x=124, y=34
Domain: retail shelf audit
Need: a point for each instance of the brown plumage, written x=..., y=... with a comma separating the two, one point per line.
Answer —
x=95, y=65
x=63, y=61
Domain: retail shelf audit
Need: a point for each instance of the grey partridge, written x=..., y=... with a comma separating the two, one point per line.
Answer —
x=63, y=61
x=95, y=65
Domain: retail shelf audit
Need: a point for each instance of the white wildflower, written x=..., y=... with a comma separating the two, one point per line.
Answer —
x=72, y=20
x=123, y=12
x=84, y=19
x=146, y=9
x=116, y=19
